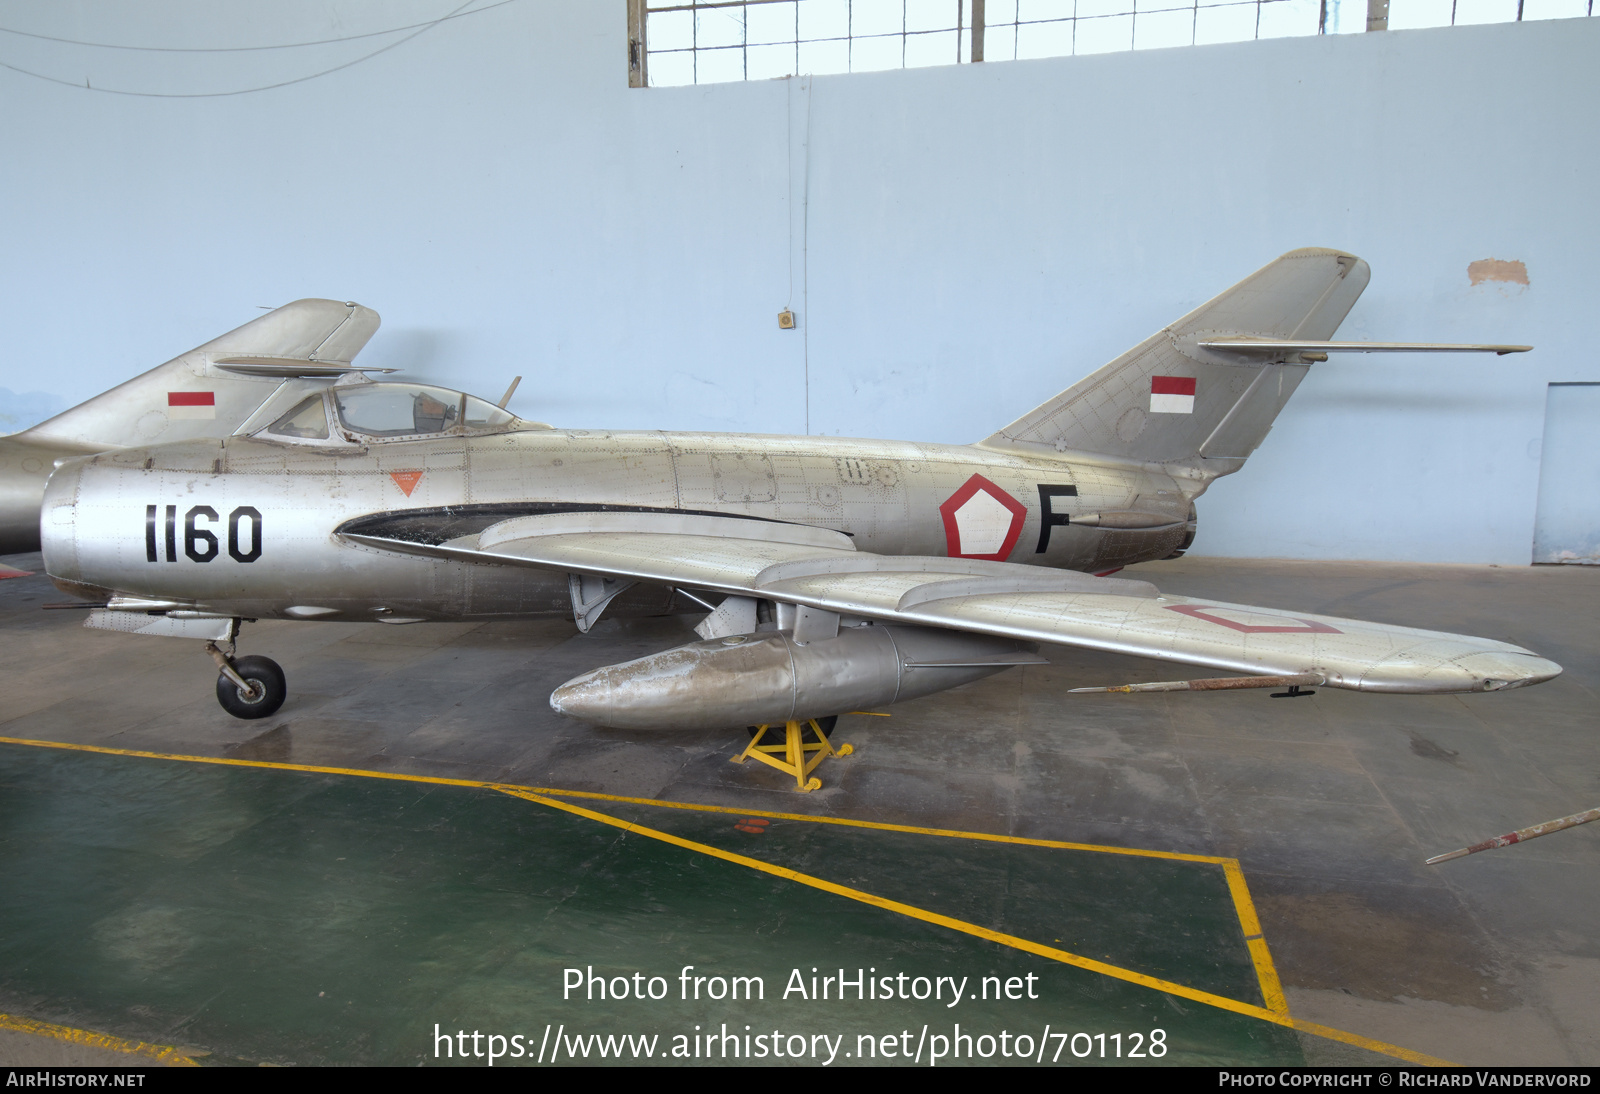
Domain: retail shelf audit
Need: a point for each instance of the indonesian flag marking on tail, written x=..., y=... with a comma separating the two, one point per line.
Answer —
x=1172, y=394
x=191, y=404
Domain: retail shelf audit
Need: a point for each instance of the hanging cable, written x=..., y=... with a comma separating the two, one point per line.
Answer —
x=458, y=14
x=86, y=86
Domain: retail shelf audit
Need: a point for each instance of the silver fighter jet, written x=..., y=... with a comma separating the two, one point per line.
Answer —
x=834, y=574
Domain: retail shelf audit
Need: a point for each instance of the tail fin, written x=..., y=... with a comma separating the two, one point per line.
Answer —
x=1169, y=399
x=212, y=389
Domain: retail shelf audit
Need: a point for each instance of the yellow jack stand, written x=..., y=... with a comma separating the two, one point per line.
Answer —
x=793, y=752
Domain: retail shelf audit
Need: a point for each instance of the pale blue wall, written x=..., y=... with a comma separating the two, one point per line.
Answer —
x=975, y=239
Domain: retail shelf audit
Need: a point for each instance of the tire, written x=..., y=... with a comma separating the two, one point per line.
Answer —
x=262, y=673
x=827, y=725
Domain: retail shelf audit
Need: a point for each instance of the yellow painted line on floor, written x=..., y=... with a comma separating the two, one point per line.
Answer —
x=904, y=909
x=883, y=826
x=438, y=780
x=223, y=761
x=1245, y=908
x=164, y=1054
x=1367, y=1043
x=1277, y=1017
x=1266, y=973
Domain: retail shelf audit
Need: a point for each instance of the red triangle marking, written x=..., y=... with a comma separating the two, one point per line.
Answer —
x=7, y=571
x=406, y=480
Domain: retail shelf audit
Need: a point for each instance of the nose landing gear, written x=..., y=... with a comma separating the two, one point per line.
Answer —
x=248, y=687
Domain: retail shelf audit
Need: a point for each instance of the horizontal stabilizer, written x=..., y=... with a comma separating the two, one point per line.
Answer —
x=291, y=368
x=1245, y=344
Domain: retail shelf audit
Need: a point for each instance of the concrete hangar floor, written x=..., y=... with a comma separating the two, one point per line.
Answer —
x=416, y=844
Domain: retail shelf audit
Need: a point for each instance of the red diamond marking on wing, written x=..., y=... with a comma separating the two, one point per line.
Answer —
x=1310, y=626
x=981, y=521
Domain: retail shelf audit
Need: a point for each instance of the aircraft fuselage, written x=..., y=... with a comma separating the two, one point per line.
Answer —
x=249, y=527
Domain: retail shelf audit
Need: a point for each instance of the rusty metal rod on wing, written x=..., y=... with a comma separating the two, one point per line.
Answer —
x=1220, y=683
x=1521, y=834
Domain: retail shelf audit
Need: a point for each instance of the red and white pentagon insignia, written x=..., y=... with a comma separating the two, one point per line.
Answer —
x=981, y=521
x=1275, y=626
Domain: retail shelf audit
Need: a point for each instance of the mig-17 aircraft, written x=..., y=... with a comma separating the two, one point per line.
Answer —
x=833, y=574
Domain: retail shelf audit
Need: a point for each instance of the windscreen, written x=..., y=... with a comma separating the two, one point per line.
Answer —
x=307, y=420
x=482, y=414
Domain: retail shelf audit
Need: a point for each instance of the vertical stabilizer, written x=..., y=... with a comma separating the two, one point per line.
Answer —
x=1169, y=400
x=192, y=396
x=208, y=392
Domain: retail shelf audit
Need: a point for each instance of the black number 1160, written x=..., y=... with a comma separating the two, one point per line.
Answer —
x=200, y=544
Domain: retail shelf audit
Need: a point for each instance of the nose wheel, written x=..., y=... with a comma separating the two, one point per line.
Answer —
x=248, y=687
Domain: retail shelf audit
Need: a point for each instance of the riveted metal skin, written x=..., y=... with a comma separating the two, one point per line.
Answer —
x=93, y=519
x=761, y=678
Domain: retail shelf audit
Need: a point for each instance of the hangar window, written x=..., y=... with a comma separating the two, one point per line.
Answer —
x=674, y=42
x=1409, y=14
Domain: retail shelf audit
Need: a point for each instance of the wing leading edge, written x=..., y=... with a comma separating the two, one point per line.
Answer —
x=819, y=569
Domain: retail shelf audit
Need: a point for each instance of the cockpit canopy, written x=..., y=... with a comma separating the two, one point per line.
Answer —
x=391, y=411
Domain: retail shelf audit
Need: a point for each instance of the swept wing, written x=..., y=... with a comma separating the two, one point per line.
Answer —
x=820, y=569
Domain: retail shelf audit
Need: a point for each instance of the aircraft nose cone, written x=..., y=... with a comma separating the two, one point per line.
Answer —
x=586, y=697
